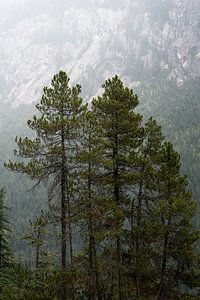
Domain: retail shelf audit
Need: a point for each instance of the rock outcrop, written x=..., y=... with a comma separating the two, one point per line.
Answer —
x=92, y=40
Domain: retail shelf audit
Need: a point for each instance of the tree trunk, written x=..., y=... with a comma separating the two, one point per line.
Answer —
x=37, y=250
x=163, y=268
x=93, y=270
x=69, y=225
x=63, y=240
x=161, y=291
x=119, y=269
x=63, y=221
x=138, y=239
x=117, y=201
x=93, y=273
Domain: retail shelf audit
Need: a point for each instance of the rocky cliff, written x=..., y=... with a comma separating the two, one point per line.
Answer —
x=91, y=40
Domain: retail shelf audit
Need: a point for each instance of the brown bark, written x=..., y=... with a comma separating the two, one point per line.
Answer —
x=93, y=269
x=37, y=256
x=63, y=224
x=163, y=268
x=117, y=201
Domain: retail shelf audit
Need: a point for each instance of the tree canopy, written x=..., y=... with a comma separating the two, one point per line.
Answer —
x=122, y=210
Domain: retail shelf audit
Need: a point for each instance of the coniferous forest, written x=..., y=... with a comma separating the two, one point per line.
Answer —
x=117, y=220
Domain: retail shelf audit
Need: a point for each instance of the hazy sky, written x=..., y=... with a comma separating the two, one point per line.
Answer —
x=10, y=6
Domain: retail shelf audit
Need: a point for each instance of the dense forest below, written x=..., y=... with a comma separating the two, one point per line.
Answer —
x=104, y=210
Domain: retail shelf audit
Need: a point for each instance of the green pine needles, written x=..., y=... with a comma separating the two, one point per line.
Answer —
x=117, y=185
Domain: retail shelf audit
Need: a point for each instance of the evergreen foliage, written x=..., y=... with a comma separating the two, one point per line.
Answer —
x=116, y=181
x=51, y=153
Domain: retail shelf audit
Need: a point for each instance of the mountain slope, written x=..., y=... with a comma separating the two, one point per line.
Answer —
x=92, y=40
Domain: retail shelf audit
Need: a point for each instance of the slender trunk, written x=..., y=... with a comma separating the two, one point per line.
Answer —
x=117, y=201
x=96, y=273
x=93, y=271
x=69, y=225
x=119, y=269
x=134, y=247
x=63, y=225
x=139, y=208
x=163, y=268
x=37, y=250
x=92, y=291
x=63, y=221
x=138, y=240
x=63, y=241
x=165, y=246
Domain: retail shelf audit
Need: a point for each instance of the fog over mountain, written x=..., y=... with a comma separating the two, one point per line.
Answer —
x=91, y=40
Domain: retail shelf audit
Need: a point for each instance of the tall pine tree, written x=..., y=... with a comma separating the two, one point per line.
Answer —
x=51, y=154
x=142, y=169
x=122, y=134
x=174, y=255
x=91, y=209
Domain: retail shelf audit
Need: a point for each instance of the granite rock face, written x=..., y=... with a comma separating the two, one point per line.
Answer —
x=94, y=39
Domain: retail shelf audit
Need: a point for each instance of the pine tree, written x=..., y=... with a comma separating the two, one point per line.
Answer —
x=36, y=236
x=122, y=134
x=50, y=155
x=173, y=210
x=160, y=218
x=90, y=206
x=142, y=168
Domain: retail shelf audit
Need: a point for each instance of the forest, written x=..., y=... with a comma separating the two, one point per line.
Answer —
x=117, y=221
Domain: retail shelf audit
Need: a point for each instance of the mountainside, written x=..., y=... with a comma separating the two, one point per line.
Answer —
x=92, y=40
